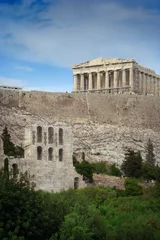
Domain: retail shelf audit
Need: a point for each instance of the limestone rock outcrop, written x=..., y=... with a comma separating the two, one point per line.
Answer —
x=103, y=125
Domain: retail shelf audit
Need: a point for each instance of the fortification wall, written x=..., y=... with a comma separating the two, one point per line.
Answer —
x=122, y=110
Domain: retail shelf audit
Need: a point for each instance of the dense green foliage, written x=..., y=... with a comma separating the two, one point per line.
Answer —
x=133, y=165
x=8, y=146
x=87, y=169
x=91, y=213
x=132, y=187
x=84, y=168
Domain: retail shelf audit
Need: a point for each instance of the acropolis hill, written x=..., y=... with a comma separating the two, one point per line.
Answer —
x=104, y=125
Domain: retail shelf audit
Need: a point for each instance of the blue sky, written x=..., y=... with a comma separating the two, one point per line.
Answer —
x=41, y=39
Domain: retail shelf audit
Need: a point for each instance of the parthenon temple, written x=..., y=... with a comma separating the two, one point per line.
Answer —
x=115, y=75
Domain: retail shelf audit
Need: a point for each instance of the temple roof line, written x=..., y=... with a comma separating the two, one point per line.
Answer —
x=102, y=61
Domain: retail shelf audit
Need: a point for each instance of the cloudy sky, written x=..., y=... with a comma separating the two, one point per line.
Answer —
x=41, y=39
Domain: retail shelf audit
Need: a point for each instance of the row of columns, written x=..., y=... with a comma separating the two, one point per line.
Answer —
x=148, y=84
x=131, y=80
x=111, y=80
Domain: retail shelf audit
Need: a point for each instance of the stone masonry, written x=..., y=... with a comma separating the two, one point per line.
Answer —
x=48, y=158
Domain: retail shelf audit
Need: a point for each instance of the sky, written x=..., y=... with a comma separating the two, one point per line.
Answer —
x=41, y=39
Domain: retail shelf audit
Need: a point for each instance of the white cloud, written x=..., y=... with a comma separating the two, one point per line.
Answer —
x=24, y=68
x=69, y=33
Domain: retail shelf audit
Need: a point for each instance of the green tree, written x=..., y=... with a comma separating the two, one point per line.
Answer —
x=148, y=171
x=84, y=168
x=8, y=146
x=132, y=165
x=22, y=210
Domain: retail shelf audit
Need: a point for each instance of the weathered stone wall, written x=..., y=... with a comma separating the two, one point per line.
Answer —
x=103, y=125
x=50, y=174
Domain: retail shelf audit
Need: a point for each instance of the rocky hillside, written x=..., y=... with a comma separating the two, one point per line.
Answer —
x=103, y=125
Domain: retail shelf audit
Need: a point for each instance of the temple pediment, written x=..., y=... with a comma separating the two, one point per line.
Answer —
x=101, y=61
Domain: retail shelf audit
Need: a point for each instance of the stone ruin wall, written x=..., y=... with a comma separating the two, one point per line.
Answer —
x=49, y=171
x=103, y=125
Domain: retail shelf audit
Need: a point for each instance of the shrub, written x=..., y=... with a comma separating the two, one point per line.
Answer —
x=132, y=188
x=115, y=171
x=100, y=167
x=84, y=168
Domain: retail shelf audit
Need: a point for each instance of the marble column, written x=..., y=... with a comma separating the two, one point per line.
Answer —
x=143, y=82
x=75, y=82
x=146, y=84
x=123, y=78
x=154, y=86
x=116, y=80
x=90, y=81
x=158, y=86
x=151, y=84
x=106, y=79
x=98, y=80
x=131, y=80
x=82, y=82
x=139, y=83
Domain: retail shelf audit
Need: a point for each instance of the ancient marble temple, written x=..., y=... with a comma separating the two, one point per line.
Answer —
x=115, y=75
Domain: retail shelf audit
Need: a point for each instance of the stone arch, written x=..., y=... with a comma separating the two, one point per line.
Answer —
x=39, y=153
x=15, y=169
x=76, y=183
x=50, y=154
x=39, y=134
x=60, y=136
x=50, y=135
x=60, y=155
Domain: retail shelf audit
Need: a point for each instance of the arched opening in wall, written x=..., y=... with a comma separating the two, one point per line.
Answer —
x=50, y=154
x=61, y=155
x=50, y=135
x=15, y=170
x=6, y=166
x=60, y=136
x=39, y=153
x=76, y=183
x=39, y=134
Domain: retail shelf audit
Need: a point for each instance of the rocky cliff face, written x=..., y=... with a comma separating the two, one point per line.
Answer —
x=103, y=125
